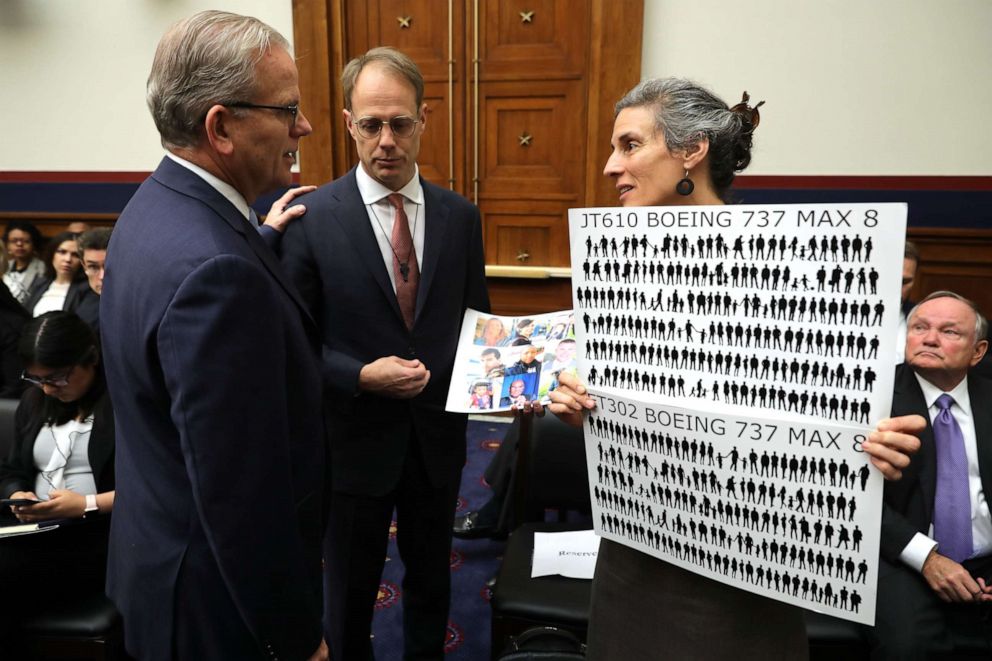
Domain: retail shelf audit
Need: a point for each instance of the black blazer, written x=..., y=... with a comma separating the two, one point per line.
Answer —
x=78, y=290
x=332, y=256
x=908, y=506
x=18, y=471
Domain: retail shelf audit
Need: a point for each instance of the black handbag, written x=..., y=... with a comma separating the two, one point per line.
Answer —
x=544, y=644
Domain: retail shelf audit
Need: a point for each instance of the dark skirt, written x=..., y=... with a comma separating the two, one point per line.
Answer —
x=647, y=609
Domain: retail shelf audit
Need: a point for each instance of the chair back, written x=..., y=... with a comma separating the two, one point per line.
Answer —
x=8, y=407
x=551, y=470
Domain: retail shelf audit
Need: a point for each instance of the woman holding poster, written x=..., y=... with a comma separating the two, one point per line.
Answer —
x=675, y=143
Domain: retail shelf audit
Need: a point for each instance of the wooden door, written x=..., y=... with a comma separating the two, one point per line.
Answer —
x=519, y=96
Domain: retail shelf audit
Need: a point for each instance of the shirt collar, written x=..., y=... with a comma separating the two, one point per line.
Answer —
x=227, y=190
x=373, y=191
x=959, y=393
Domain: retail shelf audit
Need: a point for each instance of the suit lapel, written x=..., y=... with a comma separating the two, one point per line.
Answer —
x=910, y=395
x=185, y=181
x=352, y=219
x=435, y=228
x=980, y=392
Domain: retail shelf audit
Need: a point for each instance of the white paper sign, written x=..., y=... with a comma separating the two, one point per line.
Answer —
x=776, y=316
x=572, y=554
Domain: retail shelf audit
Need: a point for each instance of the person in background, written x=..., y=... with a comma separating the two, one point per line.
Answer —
x=936, y=539
x=63, y=457
x=910, y=263
x=13, y=316
x=22, y=241
x=93, y=254
x=77, y=227
x=63, y=286
x=676, y=143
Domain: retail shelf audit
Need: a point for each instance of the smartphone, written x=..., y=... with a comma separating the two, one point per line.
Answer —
x=6, y=502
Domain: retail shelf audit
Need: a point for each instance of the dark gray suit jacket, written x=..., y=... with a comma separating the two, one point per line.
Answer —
x=333, y=258
x=211, y=363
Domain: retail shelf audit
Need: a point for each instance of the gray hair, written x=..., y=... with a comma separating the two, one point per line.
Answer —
x=390, y=59
x=685, y=113
x=203, y=60
x=981, y=323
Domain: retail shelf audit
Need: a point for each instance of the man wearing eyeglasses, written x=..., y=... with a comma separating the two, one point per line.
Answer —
x=211, y=361
x=387, y=263
x=92, y=248
x=936, y=537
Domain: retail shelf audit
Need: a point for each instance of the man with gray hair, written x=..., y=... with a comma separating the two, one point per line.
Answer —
x=211, y=361
x=936, y=542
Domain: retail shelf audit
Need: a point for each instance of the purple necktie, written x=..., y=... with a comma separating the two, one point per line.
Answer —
x=406, y=272
x=952, y=502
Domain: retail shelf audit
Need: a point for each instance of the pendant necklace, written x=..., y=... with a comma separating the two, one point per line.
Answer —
x=404, y=263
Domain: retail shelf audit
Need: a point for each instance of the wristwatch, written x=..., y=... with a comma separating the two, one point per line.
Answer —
x=91, y=506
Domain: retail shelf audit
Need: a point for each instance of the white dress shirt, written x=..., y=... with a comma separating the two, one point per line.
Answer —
x=381, y=214
x=920, y=545
x=222, y=187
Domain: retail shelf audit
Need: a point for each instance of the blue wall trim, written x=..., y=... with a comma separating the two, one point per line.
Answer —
x=927, y=208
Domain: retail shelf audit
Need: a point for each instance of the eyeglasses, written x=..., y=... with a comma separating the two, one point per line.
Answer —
x=293, y=110
x=19, y=241
x=401, y=126
x=57, y=380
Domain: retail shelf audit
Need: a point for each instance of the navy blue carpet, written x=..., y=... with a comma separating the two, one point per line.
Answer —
x=473, y=562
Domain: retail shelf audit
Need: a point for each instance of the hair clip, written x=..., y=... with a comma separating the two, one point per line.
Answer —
x=748, y=114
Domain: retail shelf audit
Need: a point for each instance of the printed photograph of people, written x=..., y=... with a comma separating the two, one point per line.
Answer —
x=481, y=395
x=491, y=363
x=518, y=390
x=527, y=360
x=523, y=329
x=490, y=332
x=560, y=358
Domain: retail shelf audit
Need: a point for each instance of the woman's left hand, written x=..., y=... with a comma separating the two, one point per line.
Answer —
x=61, y=504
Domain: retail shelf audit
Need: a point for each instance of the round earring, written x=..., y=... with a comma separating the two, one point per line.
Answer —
x=685, y=185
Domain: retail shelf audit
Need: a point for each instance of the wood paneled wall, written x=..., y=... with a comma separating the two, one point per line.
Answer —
x=50, y=224
x=956, y=259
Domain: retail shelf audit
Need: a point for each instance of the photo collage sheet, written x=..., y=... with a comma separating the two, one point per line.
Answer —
x=739, y=355
x=504, y=362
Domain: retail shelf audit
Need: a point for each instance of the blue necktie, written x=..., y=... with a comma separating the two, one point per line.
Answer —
x=252, y=217
x=952, y=502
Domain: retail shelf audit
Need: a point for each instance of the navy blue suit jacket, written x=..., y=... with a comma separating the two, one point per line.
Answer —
x=211, y=364
x=908, y=506
x=333, y=258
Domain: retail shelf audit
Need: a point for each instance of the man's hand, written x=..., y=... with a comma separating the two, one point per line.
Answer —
x=952, y=582
x=322, y=653
x=892, y=442
x=395, y=377
x=281, y=214
x=570, y=399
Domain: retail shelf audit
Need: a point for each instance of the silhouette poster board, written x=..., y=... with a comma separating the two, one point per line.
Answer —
x=775, y=316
